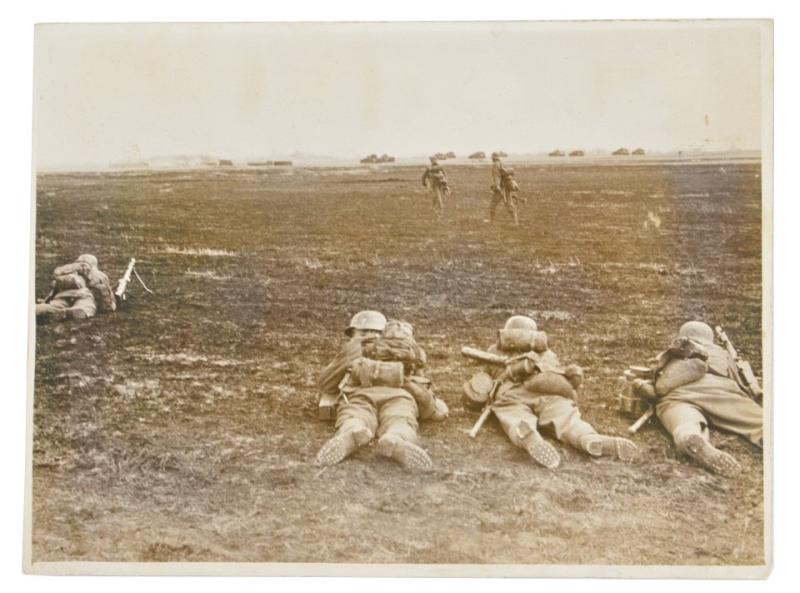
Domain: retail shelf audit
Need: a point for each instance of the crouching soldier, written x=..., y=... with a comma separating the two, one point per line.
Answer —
x=533, y=391
x=78, y=291
x=379, y=389
x=697, y=384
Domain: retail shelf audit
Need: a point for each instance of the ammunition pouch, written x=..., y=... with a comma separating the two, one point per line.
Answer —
x=365, y=372
x=522, y=367
x=522, y=340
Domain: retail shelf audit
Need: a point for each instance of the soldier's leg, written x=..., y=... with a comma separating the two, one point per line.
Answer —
x=521, y=426
x=356, y=422
x=55, y=310
x=83, y=308
x=397, y=433
x=689, y=429
x=497, y=197
x=438, y=201
x=564, y=416
x=511, y=206
x=738, y=414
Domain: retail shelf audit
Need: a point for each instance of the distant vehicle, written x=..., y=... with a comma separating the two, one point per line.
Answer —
x=282, y=163
x=477, y=155
x=621, y=152
x=577, y=153
x=225, y=163
x=556, y=152
x=638, y=151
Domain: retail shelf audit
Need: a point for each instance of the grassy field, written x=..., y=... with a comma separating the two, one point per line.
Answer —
x=183, y=427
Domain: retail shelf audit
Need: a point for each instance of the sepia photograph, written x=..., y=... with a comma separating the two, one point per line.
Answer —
x=402, y=299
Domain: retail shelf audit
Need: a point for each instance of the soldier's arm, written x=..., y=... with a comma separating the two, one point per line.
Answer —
x=679, y=372
x=101, y=287
x=430, y=407
x=332, y=374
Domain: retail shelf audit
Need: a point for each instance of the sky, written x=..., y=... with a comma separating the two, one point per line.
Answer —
x=106, y=93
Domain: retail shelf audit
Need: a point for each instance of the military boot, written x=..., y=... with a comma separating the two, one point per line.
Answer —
x=408, y=454
x=539, y=449
x=599, y=445
x=699, y=449
x=340, y=446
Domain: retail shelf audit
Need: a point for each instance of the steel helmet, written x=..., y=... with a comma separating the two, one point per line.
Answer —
x=88, y=258
x=520, y=322
x=698, y=331
x=367, y=320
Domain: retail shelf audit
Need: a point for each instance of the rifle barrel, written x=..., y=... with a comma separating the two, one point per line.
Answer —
x=122, y=285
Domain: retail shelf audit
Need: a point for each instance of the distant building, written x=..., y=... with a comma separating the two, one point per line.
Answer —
x=577, y=153
x=259, y=163
x=556, y=152
x=282, y=163
x=225, y=163
x=477, y=155
x=638, y=151
x=621, y=152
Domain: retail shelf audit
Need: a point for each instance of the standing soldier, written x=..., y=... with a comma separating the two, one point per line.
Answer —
x=699, y=385
x=435, y=178
x=79, y=289
x=542, y=396
x=377, y=376
x=504, y=189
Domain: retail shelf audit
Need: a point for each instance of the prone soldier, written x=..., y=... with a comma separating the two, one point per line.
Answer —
x=697, y=383
x=535, y=391
x=377, y=387
x=78, y=291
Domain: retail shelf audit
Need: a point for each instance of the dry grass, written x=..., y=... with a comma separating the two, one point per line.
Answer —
x=183, y=427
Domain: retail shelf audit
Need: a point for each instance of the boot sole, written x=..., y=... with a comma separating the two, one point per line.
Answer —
x=717, y=461
x=340, y=447
x=408, y=454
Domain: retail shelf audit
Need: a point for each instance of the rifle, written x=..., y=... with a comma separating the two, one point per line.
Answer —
x=745, y=370
x=122, y=285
